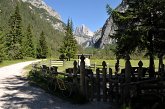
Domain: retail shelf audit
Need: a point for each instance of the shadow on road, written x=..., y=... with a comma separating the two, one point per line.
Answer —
x=18, y=94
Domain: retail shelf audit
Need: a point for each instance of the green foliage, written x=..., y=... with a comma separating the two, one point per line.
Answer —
x=108, y=53
x=109, y=9
x=31, y=17
x=1, y=46
x=42, y=48
x=69, y=46
x=28, y=44
x=38, y=79
x=140, y=27
x=13, y=40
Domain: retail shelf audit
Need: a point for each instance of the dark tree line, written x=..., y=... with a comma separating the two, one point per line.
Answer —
x=17, y=45
x=141, y=27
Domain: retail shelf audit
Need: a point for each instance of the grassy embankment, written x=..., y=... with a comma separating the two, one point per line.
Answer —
x=10, y=62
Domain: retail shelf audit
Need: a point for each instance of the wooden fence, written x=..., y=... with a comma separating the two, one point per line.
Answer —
x=118, y=87
x=104, y=85
x=56, y=63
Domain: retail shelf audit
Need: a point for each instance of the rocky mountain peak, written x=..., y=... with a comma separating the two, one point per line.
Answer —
x=47, y=13
x=41, y=4
x=109, y=28
x=83, y=31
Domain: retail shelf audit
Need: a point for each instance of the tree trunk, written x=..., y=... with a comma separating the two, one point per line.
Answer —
x=151, y=54
x=160, y=62
x=151, y=66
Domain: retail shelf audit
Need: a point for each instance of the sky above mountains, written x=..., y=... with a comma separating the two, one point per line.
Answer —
x=92, y=13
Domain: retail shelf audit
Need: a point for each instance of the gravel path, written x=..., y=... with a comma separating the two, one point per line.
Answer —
x=16, y=93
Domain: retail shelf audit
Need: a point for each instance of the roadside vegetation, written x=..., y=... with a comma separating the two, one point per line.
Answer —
x=10, y=62
x=38, y=78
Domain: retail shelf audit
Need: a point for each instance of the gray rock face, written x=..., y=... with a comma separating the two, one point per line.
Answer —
x=83, y=35
x=109, y=29
x=50, y=14
x=43, y=5
x=83, y=31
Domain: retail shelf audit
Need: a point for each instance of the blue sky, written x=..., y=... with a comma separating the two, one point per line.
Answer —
x=92, y=13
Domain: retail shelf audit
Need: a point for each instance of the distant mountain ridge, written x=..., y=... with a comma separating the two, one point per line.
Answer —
x=85, y=36
x=83, y=31
x=49, y=15
x=101, y=37
x=43, y=5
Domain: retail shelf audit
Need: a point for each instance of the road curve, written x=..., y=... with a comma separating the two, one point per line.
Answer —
x=16, y=93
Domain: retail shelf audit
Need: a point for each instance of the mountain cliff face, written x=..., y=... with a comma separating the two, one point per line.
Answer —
x=83, y=35
x=83, y=31
x=49, y=14
x=109, y=29
x=41, y=4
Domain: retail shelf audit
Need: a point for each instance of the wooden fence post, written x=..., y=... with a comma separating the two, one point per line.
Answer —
x=95, y=66
x=75, y=81
x=161, y=66
x=82, y=75
x=98, y=83
x=75, y=68
x=92, y=85
x=117, y=67
x=50, y=63
x=104, y=70
x=110, y=84
x=140, y=69
x=107, y=67
x=160, y=56
x=162, y=71
x=128, y=70
x=87, y=87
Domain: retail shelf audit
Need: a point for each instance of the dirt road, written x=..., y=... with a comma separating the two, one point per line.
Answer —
x=16, y=93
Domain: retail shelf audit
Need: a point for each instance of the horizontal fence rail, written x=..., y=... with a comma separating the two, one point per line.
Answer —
x=56, y=63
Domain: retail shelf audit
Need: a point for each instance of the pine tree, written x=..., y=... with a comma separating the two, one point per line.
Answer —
x=38, y=51
x=42, y=48
x=1, y=46
x=141, y=27
x=13, y=40
x=69, y=46
x=28, y=45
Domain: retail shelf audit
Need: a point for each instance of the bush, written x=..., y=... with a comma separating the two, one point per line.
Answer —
x=36, y=79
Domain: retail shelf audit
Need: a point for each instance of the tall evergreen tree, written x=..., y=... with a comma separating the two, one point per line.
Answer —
x=69, y=46
x=13, y=40
x=42, y=48
x=1, y=46
x=28, y=45
x=141, y=27
x=38, y=50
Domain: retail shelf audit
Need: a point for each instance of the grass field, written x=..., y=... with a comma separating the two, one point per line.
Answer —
x=111, y=63
x=69, y=64
x=134, y=63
